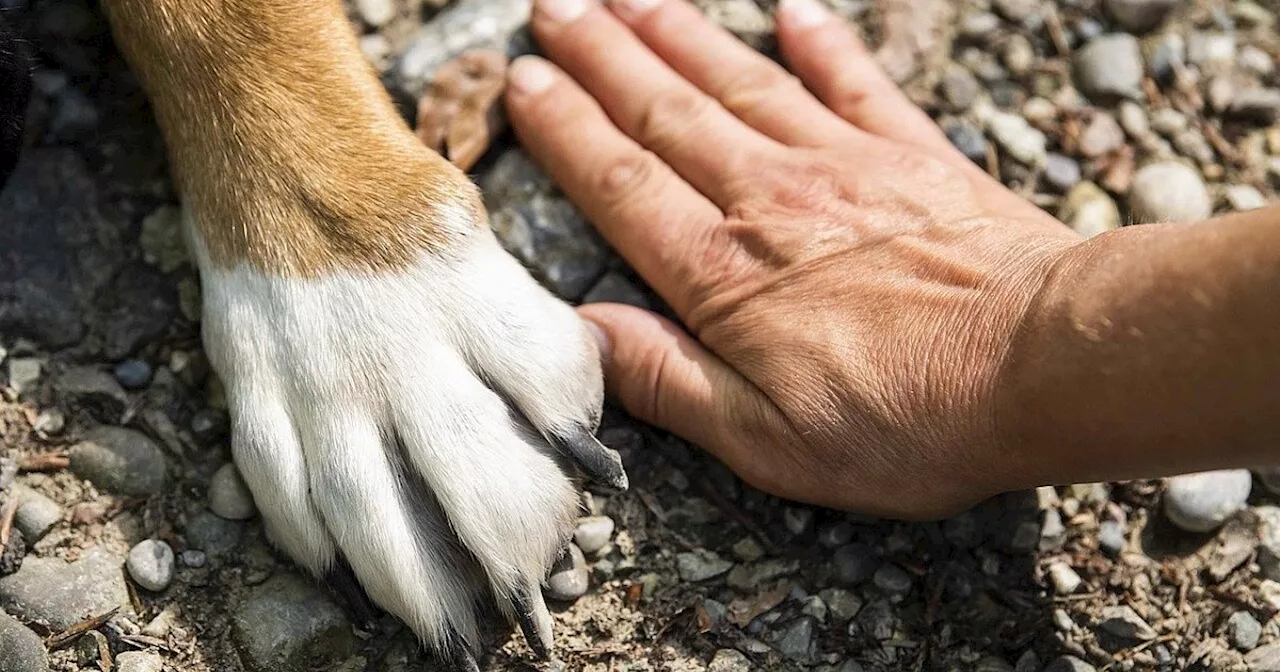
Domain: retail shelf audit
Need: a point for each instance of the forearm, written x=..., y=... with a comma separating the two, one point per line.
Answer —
x=1153, y=350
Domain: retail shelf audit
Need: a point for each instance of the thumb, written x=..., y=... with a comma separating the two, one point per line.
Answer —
x=662, y=375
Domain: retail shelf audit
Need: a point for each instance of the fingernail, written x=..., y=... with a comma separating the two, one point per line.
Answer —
x=603, y=344
x=530, y=74
x=632, y=8
x=803, y=13
x=561, y=11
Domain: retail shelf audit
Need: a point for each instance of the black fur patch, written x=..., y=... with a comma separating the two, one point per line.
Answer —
x=15, y=89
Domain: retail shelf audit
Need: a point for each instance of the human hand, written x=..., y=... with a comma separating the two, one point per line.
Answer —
x=851, y=284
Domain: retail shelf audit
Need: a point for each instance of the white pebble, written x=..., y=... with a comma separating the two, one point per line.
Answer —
x=151, y=564
x=1202, y=502
x=1065, y=579
x=229, y=497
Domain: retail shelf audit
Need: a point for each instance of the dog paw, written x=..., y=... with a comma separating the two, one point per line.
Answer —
x=423, y=425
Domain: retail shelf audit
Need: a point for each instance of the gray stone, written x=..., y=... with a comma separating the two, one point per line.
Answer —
x=1256, y=105
x=959, y=88
x=1207, y=49
x=855, y=563
x=851, y=666
x=64, y=593
x=1139, y=16
x=1018, y=55
x=716, y=611
x=1111, y=537
x=1102, y=135
x=20, y=648
x=460, y=27
x=842, y=604
x=1256, y=61
x=614, y=288
x=892, y=579
x=815, y=607
x=1017, y=11
x=1243, y=631
x=1089, y=211
x=1270, y=479
x=1069, y=664
x=1268, y=530
x=1027, y=662
x=1264, y=658
x=36, y=514
x=89, y=647
x=701, y=565
x=1244, y=197
x=287, y=625
x=133, y=374
x=214, y=535
x=593, y=533
x=24, y=374
x=151, y=564
x=1122, y=621
x=979, y=25
x=878, y=620
x=729, y=660
x=1065, y=580
x=836, y=535
x=963, y=530
x=1202, y=502
x=797, y=639
x=569, y=578
x=139, y=661
x=1109, y=67
x=1052, y=531
x=1061, y=172
x=1192, y=144
x=1016, y=137
x=120, y=460
x=1134, y=119
x=193, y=558
x=1169, y=192
x=969, y=140
x=751, y=577
x=1168, y=122
x=376, y=13
x=162, y=241
x=797, y=519
x=97, y=390
x=541, y=228
x=50, y=421
x=229, y=497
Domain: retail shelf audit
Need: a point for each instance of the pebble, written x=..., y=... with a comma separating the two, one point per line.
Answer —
x=798, y=520
x=1061, y=172
x=1244, y=197
x=1111, y=538
x=716, y=611
x=851, y=666
x=1018, y=56
x=750, y=577
x=729, y=660
x=20, y=649
x=151, y=564
x=840, y=533
x=24, y=374
x=1089, y=211
x=1168, y=192
x=1134, y=120
x=214, y=535
x=1256, y=105
x=120, y=460
x=613, y=287
x=376, y=13
x=133, y=374
x=162, y=240
x=593, y=533
x=1168, y=122
x=815, y=607
x=959, y=88
x=50, y=421
x=569, y=578
x=1243, y=631
x=1027, y=662
x=892, y=579
x=1139, y=16
x=842, y=604
x=1109, y=67
x=878, y=620
x=797, y=639
x=1202, y=502
x=963, y=530
x=1052, y=531
x=701, y=565
x=1016, y=11
x=64, y=593
x=1122, y=621
x=1264, y=658
x=36, y=514
x=229, y=497
x=1193, y=145
x=460, y=27
x=89, y=647
x=97, y=390
x=748, y=549
x=1018, y=138
x=1065, y=579
x=1268, y=531
x=1270, y=479
x=287, y=624
x=969, y=140
x=1256, y=61
x=1069, y=664
x=978, y=25
x=1209, y=49
x=139, y=661
x=855, y=563
x=1102, y=136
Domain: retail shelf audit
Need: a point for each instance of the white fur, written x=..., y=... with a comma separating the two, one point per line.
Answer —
x=323, y=374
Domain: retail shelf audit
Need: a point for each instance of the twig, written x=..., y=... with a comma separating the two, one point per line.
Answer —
x=45, y=462
x=6, y=519
x=67, y=636
x=1053, y=22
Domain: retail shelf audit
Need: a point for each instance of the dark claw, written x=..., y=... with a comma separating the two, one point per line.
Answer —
x=534, y=620
x=342, y=581
x=459, y=659
x=601, y=464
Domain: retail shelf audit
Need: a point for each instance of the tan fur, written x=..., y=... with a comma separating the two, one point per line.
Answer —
x=285, y=147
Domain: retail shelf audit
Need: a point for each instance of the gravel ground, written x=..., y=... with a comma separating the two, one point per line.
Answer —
x=134, y=547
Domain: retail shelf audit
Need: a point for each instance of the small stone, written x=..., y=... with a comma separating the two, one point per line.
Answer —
x=855, y=563
x=797, y=639
x=64, y=593
x=892, y=579
x=1243, y=630
x=1256, y=61
x=376, y=13
x=1052, y=531
x=716, y=611
x=798, y=520
x=1040, y=111
x=1102, y=136
x=701, y=565
x=1168, y=122
x=1019, y=56
x=729, y=660
x=89, y=648
x=1256, y=105
x=593, y=533
x=614, y=288
x=839, y=534
x=162, y=240
x=1220, y=92
x=287, y=625
x=1210, y=49
x=20, y=649
x=969, y=140
x=750, y=577
x=1133, y=119
x=1027, y=662
x=1268, y=541
x=1139, y=16
x=1065, y=579
x=815, y=607
x=1169, y=192
x=24, y=374
x=139, y=661
x=851, y=666
x=748, y=549
x=569, y=578
x=88, y=387
x=229, y=497
x=1193, y=145
x=878, y=620
x=151, y=564
x=1017, y=11
x=193, y=558
x=978, y=25
x=1201, y=502
x=1264, y=658
x=1122, y=621
x=36, y=514
x=959, y=88
x=50, y=421
x=1270, y=479
x=1061, y=172
x=841, y=604
x=214, y=535
x=1244, y=197
x=1062, y=621
x=133, y=374
x=963, y=530
x=1111, y=537
x=120, y=460
x=376, y=48
x=1069, y=664
x=1018, y=138
x=992, y=664
x=1109, y=67
x=1089, y=211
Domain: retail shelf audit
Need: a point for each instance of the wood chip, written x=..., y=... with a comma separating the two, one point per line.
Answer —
x=6, y=519
x=70, y=634
x=45, y=462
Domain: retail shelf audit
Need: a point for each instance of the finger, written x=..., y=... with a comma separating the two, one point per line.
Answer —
x=752, y=87
x=663, y=376
x=713, y=150
x=836, y=66
x=646, y=211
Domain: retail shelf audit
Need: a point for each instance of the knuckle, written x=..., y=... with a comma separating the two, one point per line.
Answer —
x=751, y=88
x=669, y=116
x=629, y=175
